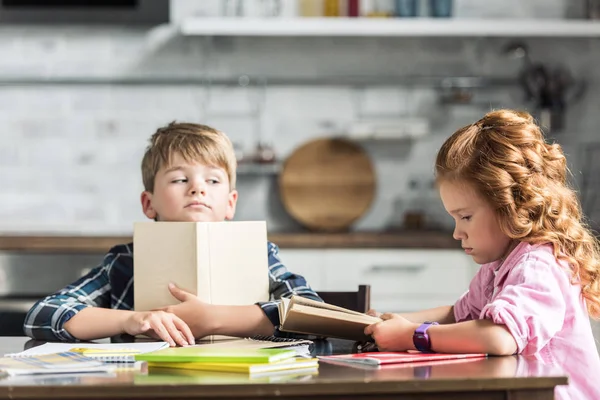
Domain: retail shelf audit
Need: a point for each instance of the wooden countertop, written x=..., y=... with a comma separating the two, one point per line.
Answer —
x=514, y=377
x=100, y=244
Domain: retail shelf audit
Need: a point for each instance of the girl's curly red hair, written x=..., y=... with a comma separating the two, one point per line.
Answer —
x=505, y=157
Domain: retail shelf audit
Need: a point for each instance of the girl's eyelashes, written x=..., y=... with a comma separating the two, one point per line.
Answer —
x=181, y=180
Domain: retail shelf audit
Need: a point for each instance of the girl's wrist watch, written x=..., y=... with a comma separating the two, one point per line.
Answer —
x=421, y=338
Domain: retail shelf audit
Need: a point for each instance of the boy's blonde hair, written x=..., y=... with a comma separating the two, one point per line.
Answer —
x=195, y=143
x=505, y=158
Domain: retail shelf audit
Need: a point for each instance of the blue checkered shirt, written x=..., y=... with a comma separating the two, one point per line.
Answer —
x=110, y=285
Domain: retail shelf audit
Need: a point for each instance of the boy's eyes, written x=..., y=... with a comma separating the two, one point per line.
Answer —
x=466, y=218
x=184, y=180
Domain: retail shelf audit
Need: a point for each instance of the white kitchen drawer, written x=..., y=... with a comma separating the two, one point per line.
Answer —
x=400, y=272
x=308, y=263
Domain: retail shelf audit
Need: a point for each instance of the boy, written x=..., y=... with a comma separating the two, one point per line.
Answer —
x=189, y=173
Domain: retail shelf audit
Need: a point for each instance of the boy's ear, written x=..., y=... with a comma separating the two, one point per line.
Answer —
x=146, y=199
x=231, y=203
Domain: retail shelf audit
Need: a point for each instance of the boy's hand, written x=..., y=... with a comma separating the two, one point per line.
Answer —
x=160, y=325
x=394, y=333
x=196, y=313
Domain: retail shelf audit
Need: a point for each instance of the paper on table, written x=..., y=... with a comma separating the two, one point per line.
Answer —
x=66, y=362
x=51, y=347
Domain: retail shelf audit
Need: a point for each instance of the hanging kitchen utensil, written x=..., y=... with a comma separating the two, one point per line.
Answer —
x=549, y=89
x=327, y=184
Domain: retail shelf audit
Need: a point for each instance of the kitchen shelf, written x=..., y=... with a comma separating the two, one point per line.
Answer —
x=435, y=27
x=258, y=169
x=450, y=82
x=418, y=239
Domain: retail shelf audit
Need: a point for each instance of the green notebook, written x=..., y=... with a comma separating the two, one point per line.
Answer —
x=198, y=354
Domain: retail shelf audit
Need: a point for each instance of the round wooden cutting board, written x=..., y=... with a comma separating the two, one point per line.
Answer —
x=327, y=184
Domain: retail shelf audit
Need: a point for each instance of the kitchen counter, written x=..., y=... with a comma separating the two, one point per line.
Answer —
x=100, y=244
x=510, y=377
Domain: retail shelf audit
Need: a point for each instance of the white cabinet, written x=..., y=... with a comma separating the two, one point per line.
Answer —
x=401, y=279
x=308, y=263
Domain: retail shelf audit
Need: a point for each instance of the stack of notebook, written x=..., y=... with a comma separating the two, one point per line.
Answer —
x=229, y=359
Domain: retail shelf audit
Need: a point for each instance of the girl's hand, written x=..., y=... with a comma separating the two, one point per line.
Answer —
x=159, y=325
x=394, y=333
x=373, y=313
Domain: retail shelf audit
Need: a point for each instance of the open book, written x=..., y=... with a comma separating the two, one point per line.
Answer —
x=223, y=263
x=302, y=315
x=301, y=347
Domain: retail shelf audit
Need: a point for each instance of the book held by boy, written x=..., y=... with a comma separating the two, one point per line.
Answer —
x=302, y=315
x=393, y=357
x=221, y=262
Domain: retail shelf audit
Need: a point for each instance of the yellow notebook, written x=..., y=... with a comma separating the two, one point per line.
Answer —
x=198, y=354
x=291, y=364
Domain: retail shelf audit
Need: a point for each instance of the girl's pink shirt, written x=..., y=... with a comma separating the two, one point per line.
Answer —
x=531, y=293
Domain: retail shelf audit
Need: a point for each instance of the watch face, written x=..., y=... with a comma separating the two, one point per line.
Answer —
x=421, y=341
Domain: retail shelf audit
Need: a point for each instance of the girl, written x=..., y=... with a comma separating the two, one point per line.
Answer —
x=540, y=266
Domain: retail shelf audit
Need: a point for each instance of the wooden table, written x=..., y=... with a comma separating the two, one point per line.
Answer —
x=515, y=378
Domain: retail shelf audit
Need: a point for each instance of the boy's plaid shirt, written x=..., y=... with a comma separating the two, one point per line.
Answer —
x=110, y=285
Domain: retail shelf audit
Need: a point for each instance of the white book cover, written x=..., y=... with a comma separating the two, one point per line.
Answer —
x=223, y=263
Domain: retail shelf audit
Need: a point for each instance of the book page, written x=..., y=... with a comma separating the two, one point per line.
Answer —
x=283, y=307
x=239, y=263
x=335, y=314
x=164, y=252
x=317, y=304
x=301, y=347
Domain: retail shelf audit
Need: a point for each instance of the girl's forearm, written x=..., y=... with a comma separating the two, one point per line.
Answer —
x=441, y=315
x=479, y=336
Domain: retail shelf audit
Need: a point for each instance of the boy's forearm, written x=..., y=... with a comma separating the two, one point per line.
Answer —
x=478, y=336
x=441, y=315
x=96, y=323
x=241, y=321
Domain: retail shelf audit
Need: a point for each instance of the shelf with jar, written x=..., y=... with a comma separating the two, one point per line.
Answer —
x=388, y=27
x=262, y=161
x=391, y=18
x=254, y=168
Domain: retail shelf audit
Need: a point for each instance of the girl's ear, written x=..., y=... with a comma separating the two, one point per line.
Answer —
x=146, y=199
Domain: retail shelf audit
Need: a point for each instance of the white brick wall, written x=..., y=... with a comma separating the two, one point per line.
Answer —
x=69, y=155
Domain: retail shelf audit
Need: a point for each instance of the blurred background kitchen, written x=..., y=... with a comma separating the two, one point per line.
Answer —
x=357, y=92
